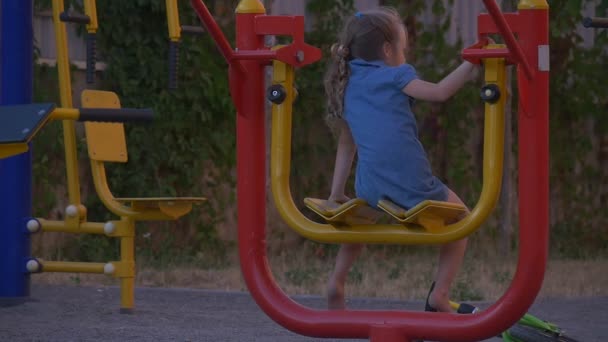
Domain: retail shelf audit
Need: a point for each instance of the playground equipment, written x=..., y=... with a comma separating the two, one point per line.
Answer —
x=423, y=224
x=530, y=53
x=90, y=19
x=105, y=141
x=431, y=216
x=175, y=32
x=595, y=22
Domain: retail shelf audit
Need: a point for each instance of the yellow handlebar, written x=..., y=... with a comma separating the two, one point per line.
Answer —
x=385, y=233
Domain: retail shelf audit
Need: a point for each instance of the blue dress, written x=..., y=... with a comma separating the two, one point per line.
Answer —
x=392, y=163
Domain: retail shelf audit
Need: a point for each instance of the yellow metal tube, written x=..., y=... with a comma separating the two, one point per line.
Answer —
x=173, y=20
x=394, y=234
x=65, y=92
x=64, y=227
x=533, y=4
x=65, y=114
x=72, y=267
x=90, y=9
x=250, y=7
x=127, y=279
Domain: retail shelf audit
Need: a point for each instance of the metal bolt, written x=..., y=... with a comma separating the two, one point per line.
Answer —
x=41, y=112
x=300, y=56
x=25, y=131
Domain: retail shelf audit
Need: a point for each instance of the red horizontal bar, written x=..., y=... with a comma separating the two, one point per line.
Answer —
x=486, y=53
x=254, y=55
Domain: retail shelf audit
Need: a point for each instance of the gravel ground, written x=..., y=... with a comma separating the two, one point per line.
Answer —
x=67, y=313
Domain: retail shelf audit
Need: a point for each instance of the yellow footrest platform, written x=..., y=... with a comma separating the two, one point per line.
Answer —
x=172, y=207
x=355, y=211
x=432, y=215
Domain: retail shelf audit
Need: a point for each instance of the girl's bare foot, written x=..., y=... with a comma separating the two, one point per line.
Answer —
x=440, y=301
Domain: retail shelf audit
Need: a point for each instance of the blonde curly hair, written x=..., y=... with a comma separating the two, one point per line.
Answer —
x=363, y=36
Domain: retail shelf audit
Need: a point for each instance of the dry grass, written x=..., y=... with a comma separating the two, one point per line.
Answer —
x=378, y=273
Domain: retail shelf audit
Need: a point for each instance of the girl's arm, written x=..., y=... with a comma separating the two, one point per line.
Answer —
x=440, y=92
x=344, y=160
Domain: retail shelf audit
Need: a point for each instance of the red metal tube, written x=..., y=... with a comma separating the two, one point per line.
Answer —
x=507, y=33
x=248, y=92
x=266, y=55
x=213, y=28
x=476, y=55
x=533, y=157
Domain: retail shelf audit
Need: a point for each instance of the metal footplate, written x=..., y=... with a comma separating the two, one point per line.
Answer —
x=172, y=207
x=432, y=215
x=355, y=211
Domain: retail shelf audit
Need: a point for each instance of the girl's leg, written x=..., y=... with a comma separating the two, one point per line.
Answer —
x=450, y=259
x=335, y=288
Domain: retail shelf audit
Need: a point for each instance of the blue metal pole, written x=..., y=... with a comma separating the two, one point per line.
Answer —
x=16, y=68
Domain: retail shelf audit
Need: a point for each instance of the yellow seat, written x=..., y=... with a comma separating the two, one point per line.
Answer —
x=106, y=143
x=432, y=215
x=355, y=211
x=173, y=207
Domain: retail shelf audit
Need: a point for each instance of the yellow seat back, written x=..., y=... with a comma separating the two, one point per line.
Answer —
x=105, y=141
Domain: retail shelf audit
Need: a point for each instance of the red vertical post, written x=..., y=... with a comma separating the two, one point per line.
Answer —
x=533, y=150
x=247, y=90
x=247, y=87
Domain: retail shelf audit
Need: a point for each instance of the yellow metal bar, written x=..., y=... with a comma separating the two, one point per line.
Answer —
x=90, y=9
x=105, y=195
x=68, y=227
x=72, y=267
x=250, y=7
x=393, y=234
x=127, y=257
x=65, y=92
x=533, y=4
x=9, y=150
x=173, y=20
x=65, y=114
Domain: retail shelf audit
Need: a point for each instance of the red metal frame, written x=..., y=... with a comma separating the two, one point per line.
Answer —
x=247, y=89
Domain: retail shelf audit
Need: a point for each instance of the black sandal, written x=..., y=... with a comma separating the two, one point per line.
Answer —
x=428, y=306
x=463, y=309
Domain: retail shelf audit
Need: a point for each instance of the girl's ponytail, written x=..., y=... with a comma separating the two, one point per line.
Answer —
x=335, y=83
x=363, y=37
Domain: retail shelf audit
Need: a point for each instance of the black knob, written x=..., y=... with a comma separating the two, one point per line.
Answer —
x=490, y=93
x=276, y=94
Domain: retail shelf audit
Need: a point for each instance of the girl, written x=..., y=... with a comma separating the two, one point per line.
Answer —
x=370, y=89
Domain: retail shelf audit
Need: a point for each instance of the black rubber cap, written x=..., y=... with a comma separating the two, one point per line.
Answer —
x=490, y=93
x=276, y=94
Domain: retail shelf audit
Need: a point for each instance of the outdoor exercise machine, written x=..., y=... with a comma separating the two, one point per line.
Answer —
x=246, y=64
x=20, y=121
x=175, y=36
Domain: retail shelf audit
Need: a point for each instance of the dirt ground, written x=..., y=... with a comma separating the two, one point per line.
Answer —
x=82, y=313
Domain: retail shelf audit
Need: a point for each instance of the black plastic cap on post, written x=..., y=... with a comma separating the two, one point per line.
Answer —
x=276, y=94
